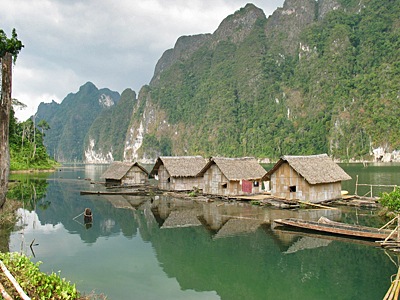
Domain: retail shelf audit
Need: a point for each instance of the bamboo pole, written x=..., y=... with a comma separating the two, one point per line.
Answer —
x=388, y=292
x=14, y=282
x=4, y=293
x=388, y=223
x=314, y=204
x=356, y=186
x=396, y=295
x=390, y=235
x=398, y=229
x=394, y=288
x=378, y=185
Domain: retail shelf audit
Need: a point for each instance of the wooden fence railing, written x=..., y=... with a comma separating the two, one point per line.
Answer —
x=371, y=187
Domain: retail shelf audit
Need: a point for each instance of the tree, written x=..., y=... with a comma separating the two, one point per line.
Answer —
x=9, y=48
x=43, y=125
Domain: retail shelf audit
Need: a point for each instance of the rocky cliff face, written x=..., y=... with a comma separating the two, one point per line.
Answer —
x=185, y=46
x=292, y=83
x=71, y=119
x=237, y=26
x=105, y=139
x=326, y=6
x=289, y=21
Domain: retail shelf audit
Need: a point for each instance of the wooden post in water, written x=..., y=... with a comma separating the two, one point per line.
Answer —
x=398, y=228
x=356, y=186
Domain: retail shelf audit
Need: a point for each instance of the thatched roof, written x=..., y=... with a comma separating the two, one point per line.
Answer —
x=182, y=218
x=235, y=169
x=306, y=243
x=236, y=227
x=119, y=169
x=315, y=169
x=118, y=201
x=179, y=166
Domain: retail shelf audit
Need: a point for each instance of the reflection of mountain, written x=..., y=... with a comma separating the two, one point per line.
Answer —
x=252, y=266
x=66, y=203
x=249, y=264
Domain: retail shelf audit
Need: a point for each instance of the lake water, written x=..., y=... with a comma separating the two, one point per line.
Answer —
x=166, y=248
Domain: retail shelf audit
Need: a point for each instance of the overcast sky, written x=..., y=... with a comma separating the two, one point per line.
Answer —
x=114, y=44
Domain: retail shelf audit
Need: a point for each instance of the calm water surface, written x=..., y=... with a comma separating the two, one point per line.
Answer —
x=166, y=248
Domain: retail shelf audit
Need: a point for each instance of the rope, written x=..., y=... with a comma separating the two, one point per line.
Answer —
x=78, y=215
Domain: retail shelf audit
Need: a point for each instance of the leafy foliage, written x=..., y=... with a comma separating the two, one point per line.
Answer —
x=12, y=45
x=337, y=93
x=26, y=146
x=391, y=200
x=28, y=191
x=71, y=120
x=35, y=283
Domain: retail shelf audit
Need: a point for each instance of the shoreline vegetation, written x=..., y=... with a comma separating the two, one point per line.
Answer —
x=34, y=283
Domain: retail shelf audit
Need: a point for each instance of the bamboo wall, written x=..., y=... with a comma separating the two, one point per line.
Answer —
x=177, y=183
x=163, y=178
x=215, y=180
x=135, y=176
x=187, y=183
x=285, y=177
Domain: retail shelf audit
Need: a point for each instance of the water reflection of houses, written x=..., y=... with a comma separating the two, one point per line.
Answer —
x=232, y=218
x=305, y=243
x=126, y=201
x=171, y=212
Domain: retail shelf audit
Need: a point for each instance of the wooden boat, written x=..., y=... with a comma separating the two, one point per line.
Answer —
x=328, y=226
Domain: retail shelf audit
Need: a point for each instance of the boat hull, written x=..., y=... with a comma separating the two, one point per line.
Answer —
x=338, y=228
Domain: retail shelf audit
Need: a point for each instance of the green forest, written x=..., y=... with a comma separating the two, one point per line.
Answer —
x=315, y=81
x=26, y=144
x=71, y=120
x=334, y=89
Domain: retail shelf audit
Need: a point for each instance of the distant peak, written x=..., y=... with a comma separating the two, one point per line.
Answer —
x=87, y=87
x=238, y=25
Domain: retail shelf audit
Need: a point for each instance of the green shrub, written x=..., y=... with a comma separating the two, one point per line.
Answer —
x=391, y=200
x=36, y=284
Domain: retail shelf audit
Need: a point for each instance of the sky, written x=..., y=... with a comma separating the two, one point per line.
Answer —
x=113, y=44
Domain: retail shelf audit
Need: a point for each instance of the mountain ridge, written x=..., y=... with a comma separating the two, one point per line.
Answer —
x=313, y=77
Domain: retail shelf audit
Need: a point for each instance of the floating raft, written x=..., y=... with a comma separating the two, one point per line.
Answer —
x=328, y=226
x=132, y=193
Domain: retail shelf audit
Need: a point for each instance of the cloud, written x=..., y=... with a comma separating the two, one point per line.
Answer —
x=114, y=44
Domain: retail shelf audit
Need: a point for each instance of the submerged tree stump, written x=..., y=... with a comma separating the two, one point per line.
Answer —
x=88, y=217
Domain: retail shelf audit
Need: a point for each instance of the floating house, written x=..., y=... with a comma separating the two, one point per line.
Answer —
x=121, y=173
x=178, y=172
x=314, y=178
x=232, y=176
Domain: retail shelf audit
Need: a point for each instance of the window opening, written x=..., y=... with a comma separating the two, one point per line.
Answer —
x=292, y=189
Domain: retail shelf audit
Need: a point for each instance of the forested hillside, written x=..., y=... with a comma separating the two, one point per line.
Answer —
x=71, y=120
x=314, y=77
x=26, y=144
x=108, y=131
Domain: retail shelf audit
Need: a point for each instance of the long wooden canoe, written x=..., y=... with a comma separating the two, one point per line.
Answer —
x=328, y=226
